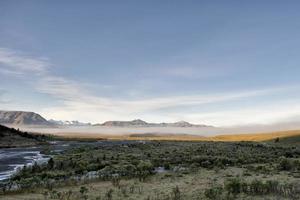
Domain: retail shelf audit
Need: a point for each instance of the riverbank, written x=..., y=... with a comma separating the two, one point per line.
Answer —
x=113, y=163
x=13, y=160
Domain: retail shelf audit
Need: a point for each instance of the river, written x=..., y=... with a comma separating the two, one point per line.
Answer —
x=13, y=159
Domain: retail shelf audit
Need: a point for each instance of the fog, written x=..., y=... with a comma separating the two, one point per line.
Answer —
x=201, y=131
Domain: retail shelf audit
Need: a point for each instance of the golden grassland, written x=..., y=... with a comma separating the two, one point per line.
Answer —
x=257, y=136
x=184, y=137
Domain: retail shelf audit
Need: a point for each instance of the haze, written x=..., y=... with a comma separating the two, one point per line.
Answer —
x=203, y=62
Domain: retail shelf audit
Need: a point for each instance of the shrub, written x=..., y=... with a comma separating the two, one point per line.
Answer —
x=144, y=169
x=83, y=191
x=213, y=193
x=108, y=194
x=116, y=181
x=176, y=195
x=285, y=164
x=233, y=186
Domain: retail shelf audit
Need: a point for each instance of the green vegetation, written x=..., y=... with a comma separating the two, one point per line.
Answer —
x=236, y=186
x=293, y=140
x=229, y=170
x=10, y=137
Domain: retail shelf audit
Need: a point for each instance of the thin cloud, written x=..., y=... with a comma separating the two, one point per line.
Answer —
x=78, y=102
x=73, y=95
x=274, y=112
x=14, y=62
x=10, y=72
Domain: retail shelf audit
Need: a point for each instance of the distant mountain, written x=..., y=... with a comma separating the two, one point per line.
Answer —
x=68, y=123
x=22, y=118
x=141, y=123
x=136, y=122
x=10, y=137
x=15, y=118
x=181, y=124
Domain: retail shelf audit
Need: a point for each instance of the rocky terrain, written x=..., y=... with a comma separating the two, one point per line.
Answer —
x=22, y=118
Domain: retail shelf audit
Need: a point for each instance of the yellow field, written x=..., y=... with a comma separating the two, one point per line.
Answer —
x=174, y=137
x=256, y=136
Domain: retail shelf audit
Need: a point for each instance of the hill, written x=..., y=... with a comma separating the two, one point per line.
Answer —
x=141, y=123
x=136, y=122
x=257, y=136
x=22, y=118
x=10, y=137
x=290, y=140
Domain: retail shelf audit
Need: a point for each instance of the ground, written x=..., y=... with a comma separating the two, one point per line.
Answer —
x=190, y=171
x=158, y=187
x=257, y=137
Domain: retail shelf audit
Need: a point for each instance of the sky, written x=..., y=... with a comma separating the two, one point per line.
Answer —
x=220, y=63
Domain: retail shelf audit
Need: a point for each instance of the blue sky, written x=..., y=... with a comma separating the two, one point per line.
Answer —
x=213, y=62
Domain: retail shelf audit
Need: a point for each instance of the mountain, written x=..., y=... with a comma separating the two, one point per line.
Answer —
x=141, y=123
x=16, y=118
x=180, y=124
x=22, y=118
x=10, y=137
x=68, y=123
x=136, y=122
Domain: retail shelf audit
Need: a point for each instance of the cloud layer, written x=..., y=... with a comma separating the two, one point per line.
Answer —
x=77, y=102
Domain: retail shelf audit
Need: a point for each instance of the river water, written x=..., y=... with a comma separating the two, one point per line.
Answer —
x=13, y=159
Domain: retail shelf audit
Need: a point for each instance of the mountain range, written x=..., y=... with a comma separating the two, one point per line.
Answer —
x=141, y=123
x=68, y=123
x=31, y=118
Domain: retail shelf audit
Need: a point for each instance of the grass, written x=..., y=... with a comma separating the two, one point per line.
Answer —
x=291, y=140
x=258, y=137
x=191, y=186
x=184, y=137
x=193, y=170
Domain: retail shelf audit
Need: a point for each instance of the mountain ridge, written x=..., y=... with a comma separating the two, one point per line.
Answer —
x=19, y=118
x=22, y=118
x=141, y=123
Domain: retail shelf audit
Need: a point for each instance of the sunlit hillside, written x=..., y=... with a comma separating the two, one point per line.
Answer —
x=185, y=137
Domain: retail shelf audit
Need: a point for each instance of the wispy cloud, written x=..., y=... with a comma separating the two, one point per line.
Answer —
x=75, y=96
x=274, y=112
x=16, y=63
x=78, y=102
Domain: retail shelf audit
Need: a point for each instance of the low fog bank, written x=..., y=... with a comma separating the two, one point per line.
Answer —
x=201, y=131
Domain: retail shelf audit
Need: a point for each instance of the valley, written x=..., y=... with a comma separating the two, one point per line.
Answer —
x=158, y=170
x=149, y=100
x=67, y=162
